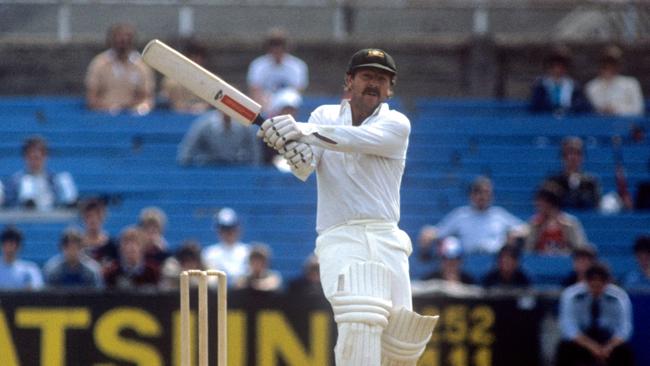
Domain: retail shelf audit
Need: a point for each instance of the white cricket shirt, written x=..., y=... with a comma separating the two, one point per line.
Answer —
x=359, y=178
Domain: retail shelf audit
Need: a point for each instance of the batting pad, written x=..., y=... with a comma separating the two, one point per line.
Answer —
x=361, y=310
x=406, y=337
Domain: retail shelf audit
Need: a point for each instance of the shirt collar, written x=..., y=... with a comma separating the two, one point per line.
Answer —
x=345, y=108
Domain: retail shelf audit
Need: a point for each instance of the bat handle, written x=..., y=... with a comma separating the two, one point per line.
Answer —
x=259, y=120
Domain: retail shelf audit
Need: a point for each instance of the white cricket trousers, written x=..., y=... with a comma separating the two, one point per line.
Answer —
x=361, y=241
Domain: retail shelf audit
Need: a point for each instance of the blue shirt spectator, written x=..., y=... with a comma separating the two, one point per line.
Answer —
x=72, y=268
x=35, y=186
x=595, y=322
x=556, y=91
x=17, y=274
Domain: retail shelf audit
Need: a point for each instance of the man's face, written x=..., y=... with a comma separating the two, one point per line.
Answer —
x=122, y=40
x=643, y=258
x=72, y=252
x=481, y=197
x=557, y=70
x=35, y=159
x=229, y=235
x=130, y=250
x=507, y=264
x=10, y=250
x=572, y=158
x=368, y=87
x=596, y=286
x=93, y=220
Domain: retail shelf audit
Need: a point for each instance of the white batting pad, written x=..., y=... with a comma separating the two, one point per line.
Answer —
x=361, y=309
x=406, y=337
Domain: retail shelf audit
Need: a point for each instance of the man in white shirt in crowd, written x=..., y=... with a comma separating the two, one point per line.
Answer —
x=229, y=254
x=275, y=70
x=358, y=150
x=15, y=273
x=612, y=93
x=480, y=226
x=35, y=186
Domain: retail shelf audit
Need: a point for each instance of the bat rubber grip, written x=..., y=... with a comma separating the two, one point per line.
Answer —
x=258, y=120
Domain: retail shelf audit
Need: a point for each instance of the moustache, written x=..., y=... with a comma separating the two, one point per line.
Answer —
x=371, y=90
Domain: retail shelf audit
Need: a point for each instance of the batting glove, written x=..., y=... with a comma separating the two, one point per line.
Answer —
x=277, y=131
x=297, y=154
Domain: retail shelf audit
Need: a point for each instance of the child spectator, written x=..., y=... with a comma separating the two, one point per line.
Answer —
x=152, y=223
x=187, y=257
x=15, y=273
x=131, y=270
x=309, y=282
x=451, y=260
x=96, y=242
x=71, y=268
x=582, y=259
x=260, y=277
x=507, y=272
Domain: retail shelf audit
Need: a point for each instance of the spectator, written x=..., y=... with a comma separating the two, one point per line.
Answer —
x=580, y=190
x=229, y=254
x=131, y=270
x=180, y=98
x=451, y=261
x=582, y=259
x=508, y=272
x=96, y=241
x=595, y=322
x=612, y=93
x=117, y=79
x=15, y=273
x=214, y=139
x=639, y=277
x=285, y=101
x=72, y=268
x=187, y=257
x=553, y=231
x=309, y=282
x=556, y=91
x=152, y=223
x=275, y=70
x=259, y=276
x=35, y=186
x=480, y=227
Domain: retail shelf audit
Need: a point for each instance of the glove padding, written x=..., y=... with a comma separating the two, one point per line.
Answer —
x=277, y=131
x=297, y=153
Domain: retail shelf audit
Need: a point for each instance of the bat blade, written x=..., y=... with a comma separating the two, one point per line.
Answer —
x=202, y=82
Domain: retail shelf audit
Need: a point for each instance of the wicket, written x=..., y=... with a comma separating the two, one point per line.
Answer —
x=222, y=309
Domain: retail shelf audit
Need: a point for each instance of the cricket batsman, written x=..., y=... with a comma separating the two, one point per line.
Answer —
x=358, y=150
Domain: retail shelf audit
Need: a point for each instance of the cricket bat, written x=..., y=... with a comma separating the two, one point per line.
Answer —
x=202, y=82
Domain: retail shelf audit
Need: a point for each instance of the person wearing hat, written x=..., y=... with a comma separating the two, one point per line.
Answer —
x=451, y=262
x=612, y=93
x=358, y=150
x=275, y=70
x=229, y=254
x=556, y=91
